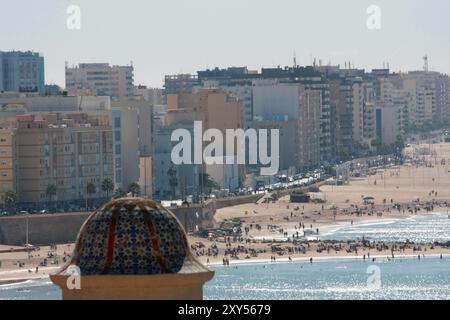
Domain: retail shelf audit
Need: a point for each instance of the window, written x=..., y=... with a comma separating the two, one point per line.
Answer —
x=118, y=149
x=117, y=135
x=116, y=122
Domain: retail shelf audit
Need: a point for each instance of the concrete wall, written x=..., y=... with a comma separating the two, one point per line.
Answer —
x=64, y=228
x=42, y=229
x=229, y=202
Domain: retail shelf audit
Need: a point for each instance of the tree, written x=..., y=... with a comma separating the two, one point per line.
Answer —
x=10, y=199
x=173, y=182
x=50, y=192
x=90, y=190
x=107, y=186
x=119, y=193
x=134, y=189
x=208, y=182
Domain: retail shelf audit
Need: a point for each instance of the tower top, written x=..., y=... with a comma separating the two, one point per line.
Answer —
x=425, y=63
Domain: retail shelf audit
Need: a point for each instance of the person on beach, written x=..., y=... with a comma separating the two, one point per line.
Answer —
x=311, y=260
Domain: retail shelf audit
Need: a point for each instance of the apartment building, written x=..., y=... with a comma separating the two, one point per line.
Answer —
x=292, y=104
x=22, y=71
x=100, y=79
x=8, y=163
x=65, y=150
x=216, y=109
x=98, y=108
x=152, y=95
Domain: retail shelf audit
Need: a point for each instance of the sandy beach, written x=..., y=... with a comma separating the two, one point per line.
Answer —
x=419, y=187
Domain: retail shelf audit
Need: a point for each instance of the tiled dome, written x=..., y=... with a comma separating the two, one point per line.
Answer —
x=131, y=236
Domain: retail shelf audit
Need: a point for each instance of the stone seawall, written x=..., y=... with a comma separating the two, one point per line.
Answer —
x=63, y=228
x=42, y=229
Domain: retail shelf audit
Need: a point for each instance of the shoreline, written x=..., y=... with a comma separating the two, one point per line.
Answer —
x=333, y=227
x=264, y=258
x=410, y=191
x=264, y=261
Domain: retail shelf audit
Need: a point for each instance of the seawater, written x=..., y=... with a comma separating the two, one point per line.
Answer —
x=403, y=278
x=419, y=229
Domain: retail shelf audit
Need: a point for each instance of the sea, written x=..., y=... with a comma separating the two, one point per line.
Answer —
x=325, y=278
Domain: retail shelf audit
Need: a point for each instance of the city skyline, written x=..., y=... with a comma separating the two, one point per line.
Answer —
x=155, y=37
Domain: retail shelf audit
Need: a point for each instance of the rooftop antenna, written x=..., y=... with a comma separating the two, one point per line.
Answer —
x=425, y=63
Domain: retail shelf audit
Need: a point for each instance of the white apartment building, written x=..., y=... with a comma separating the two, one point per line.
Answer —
x=100, y=79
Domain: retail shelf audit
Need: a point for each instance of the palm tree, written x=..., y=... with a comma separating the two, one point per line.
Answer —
x=10, y=199
x=108, y=186
x=50, y=192
x=90, y=190
x=134, y=189
x=208, y=182
x=119, y=193
x=173, y=182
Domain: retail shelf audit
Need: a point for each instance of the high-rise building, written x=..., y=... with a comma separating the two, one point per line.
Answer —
x=216, y=109
x=100, y=79
x=65, y=150
x=174, y=181
x=389, y=123
x=134, y=138
x=180, y=83
x=153, y=95
x=22, y=72
x=292, y=104
x=240, y=82
x=8, y=163
x=98, y=108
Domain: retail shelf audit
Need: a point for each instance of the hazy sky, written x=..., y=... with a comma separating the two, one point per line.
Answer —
x=172, y=36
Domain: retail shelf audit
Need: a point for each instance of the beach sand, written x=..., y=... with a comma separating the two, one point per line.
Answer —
x=428, y=181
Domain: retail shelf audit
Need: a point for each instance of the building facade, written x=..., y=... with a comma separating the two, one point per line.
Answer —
x=65, y=150
x=100, y=79
x=22, y=72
